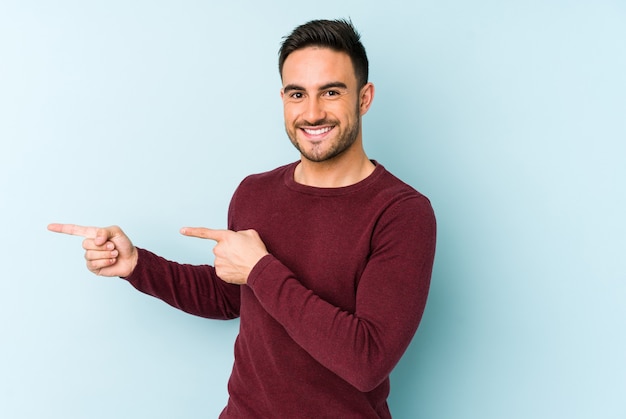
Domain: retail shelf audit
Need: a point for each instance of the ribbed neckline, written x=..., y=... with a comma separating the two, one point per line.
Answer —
x=344, y=190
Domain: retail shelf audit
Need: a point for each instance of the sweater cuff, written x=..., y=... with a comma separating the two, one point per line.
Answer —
x=141, y=256
x=257, y=270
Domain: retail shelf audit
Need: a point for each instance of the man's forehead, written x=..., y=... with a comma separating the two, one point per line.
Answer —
x=318, y=66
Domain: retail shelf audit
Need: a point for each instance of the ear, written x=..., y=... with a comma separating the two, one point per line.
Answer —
x=366, y=97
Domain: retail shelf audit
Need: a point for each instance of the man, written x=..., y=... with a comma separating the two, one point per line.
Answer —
x=327, y=261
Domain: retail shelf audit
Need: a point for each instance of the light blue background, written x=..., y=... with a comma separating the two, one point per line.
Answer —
x=509, y=115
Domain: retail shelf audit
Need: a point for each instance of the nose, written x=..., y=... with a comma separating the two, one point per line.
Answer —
x=314, y=112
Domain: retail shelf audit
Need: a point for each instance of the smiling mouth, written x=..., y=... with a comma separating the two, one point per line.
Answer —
x=317, y=131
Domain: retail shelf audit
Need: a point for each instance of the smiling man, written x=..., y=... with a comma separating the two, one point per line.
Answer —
x=327, y=260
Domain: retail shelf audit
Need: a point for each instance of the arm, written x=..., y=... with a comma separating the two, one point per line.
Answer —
x=363, y=346
x=193, y=289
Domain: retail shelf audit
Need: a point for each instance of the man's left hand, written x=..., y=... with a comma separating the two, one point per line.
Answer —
x=236, y=252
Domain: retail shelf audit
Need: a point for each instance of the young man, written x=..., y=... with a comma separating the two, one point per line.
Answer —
x=327, y=261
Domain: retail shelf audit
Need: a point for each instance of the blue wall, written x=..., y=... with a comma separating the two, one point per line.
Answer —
x=510, y=116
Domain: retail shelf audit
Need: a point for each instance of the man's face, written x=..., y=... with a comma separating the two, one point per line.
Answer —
x=322, y=102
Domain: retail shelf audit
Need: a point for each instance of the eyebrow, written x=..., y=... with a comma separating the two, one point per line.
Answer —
x=331, y=85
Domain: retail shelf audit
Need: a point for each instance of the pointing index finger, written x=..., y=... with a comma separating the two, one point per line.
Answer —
x=204, y=233
x=74, y=230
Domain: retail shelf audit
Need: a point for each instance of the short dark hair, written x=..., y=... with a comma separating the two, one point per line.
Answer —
x=338, y=35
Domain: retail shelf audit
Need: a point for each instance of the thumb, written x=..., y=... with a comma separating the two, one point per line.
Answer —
x=102, y=236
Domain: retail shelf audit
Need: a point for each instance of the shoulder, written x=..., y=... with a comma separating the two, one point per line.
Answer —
x=402, y=205
x=396, y=191
x=257, y=189
x=269, y=178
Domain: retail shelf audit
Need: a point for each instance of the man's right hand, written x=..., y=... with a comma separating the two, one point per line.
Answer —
x=108, y=251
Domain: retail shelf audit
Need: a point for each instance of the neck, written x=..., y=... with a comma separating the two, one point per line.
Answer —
x=344, y=170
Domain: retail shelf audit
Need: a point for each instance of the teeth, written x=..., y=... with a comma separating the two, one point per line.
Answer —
x=318, y=131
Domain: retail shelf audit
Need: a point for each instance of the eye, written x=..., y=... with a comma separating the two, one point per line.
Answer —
x=333, y=94
x=296, y=95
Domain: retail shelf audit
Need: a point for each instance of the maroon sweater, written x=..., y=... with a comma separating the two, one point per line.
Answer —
x=328, y=314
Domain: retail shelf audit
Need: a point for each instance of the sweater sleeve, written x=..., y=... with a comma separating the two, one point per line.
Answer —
x=193, y=289
x=362, y=346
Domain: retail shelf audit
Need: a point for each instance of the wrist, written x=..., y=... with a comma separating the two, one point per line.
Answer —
x=133, y=261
